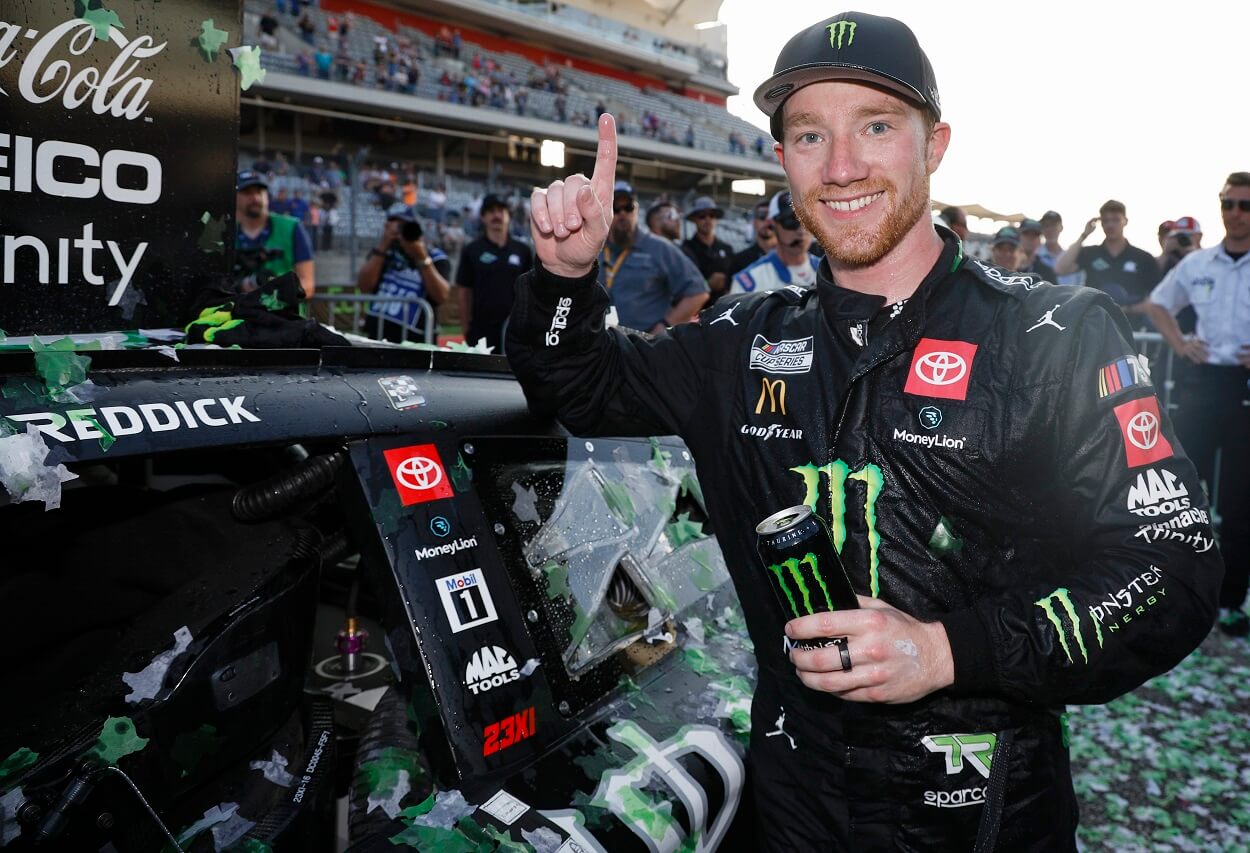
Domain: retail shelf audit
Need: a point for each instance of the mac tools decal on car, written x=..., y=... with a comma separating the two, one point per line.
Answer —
x=782, y=356
x=941, y=369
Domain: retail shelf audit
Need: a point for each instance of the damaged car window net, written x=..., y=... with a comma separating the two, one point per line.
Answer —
x=614, y=539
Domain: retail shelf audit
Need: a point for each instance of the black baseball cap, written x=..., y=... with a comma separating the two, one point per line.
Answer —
x=492, y=200
x=1051, y=216
x=1033, y=225
x=781, y=211
x=880, y=51
x=1007, y=235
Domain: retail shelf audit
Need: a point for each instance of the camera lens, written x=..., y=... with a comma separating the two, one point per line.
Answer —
x=411, y=231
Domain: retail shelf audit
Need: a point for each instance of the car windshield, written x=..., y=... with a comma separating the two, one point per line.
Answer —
x=611, y=534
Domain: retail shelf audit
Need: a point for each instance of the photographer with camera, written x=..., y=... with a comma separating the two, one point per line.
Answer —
x=268, y=244
x=402, y=265
x=1183, y=236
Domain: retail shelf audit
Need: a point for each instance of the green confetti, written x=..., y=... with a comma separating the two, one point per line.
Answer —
x=704, y=578
x=634, y=693
x=59, y=366
x=17, y=762
x=380, y=775
x=190, y=748
x=117, y=739
x=690, y=486
x=659, y=458
x=461, y=475
x=504, y=842
x=684, y=530
x=272, y=301
x=619, y=502
x=420, y=808
x=435, y=838
x=699, y=661
x=557, y=580
x=581, y=626
x=210, y=41
x=944, y=540
x=107, y=439
x=247, y=60
x=253, y=845
x=101, y=21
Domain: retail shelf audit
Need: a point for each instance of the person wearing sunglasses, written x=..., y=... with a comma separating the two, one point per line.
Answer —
x=764, y=242
x=710, y=254
x=1214, y=396
x=664, y=221
x=790, y=262
x=652, y=284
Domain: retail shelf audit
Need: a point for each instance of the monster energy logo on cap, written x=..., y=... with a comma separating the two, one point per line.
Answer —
x=1069, y=620
x=840, y=29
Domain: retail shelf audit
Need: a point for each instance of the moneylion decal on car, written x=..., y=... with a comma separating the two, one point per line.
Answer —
x=1066, y=620
x=837, y=473
x=446, y=550
x=961, y=751
x=89, y=423
x=783, y=356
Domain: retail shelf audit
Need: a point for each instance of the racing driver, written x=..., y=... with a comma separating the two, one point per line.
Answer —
x=1007, y=494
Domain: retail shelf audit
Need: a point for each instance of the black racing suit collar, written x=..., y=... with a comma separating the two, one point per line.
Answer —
x=840, y=305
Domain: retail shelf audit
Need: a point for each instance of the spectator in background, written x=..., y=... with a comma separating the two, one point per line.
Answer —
x=345, y=28
x=303, y=64
x=452, y=237
x=1050, y=250
x=436, y=200
x=956, y=220
x=307, y=29
x=456, y=41
x=664, y=221
x=298, y=207
x=652, y=284
x=401, y=265
x=600, y=109
x=1183, y=236
x=324, y=60
x=761, y=145
x=1116, y=267
x=408, y=190
x=282, y=239
x=790, y=263
x=1215, y=395
x=710, y=254
x=690, y=136
x=562, y=109
x=488, y=269
x=1005, y=250
x=329, y=220
x=269, y=31
x=765, y=241
x=1030, y=242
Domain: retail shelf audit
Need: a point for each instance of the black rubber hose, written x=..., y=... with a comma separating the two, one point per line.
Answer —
x=391, y=739
x=273, y=497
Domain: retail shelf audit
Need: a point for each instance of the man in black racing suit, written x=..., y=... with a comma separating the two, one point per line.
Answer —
x=999, y=478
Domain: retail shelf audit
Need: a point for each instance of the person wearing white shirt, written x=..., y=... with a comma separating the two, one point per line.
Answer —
x=1215, y=396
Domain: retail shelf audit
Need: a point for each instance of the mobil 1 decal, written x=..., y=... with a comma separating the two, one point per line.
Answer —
x=118, y=135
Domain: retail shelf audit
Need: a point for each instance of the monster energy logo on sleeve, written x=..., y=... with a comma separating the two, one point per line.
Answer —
x=840, y=29
x=789, y=574
x=838, y=472
x=1069, y=620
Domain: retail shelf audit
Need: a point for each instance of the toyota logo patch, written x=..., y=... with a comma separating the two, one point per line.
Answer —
x=1141, y=428
x=418, y=473
x=941, y=369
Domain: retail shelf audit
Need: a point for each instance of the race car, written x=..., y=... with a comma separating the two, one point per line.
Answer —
x=281, y=581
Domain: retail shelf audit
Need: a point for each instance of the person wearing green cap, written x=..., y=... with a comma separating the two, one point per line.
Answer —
x=1002, y=487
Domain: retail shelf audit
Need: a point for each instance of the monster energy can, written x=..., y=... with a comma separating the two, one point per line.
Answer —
x=805, y=569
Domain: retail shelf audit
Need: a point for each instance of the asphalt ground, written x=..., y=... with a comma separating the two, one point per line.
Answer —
x=1167, y=767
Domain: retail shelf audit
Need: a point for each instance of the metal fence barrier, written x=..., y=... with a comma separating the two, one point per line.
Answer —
x=349, y=311
x=1152, y=345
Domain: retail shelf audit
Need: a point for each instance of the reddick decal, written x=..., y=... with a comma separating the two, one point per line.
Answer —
x=89, y=423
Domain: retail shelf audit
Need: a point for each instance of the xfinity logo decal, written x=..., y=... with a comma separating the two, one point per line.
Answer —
x=559, y=320
x=941, y=369
x=771, y=431
x=87, y=423
x=1157, y=492
x=446, y=550
x=783, y=356
x=490, y=666
x=930, y=441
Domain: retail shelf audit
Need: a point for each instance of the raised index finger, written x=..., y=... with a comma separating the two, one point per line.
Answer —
x=603, y=177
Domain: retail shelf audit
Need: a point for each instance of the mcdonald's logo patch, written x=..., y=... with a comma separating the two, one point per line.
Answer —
x=774, y=391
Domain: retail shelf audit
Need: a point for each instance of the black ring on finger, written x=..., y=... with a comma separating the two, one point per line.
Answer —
x=845, y=652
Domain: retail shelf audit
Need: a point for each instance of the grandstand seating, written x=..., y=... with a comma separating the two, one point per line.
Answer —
x=711, y=124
